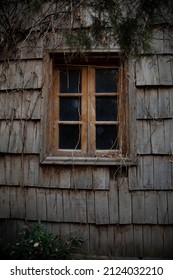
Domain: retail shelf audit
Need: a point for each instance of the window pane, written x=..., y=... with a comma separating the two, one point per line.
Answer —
x=69, y=137
x=70, y=109
x=106, y=137
x=106, y=80
x=70, y=81
x=106, y=108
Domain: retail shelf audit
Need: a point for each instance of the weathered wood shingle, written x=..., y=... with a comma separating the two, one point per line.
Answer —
x=125, y=210
x=154, y=71
x=19, y=171
x=20, y=137
x=20, y=105
x=152, y=172
x=23, y=75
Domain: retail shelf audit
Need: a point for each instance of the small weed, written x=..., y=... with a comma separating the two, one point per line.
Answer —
x=35, y=243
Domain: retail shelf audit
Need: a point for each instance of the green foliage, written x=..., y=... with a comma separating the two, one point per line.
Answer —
x=35, y=243
x=130, y=23
x=77, y=40
x=36, y=5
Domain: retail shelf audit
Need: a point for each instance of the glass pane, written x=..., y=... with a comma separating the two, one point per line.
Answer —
x=106, y=108
x=106, y=80
x=70, y=109
x=106, y=137
x=70, y=81
x=69, y=137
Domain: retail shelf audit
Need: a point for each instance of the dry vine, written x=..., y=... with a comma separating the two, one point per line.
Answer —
x=31, y=25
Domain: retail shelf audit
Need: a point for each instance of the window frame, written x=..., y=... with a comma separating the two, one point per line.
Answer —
x=57, y=95
x=51, y=155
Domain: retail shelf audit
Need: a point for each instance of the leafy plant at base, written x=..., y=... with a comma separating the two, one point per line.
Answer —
x=35, y=243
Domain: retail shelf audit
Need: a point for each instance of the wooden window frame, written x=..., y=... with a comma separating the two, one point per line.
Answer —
x=88, y=155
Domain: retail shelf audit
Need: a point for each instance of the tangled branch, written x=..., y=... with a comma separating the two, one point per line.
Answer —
x=129, y=23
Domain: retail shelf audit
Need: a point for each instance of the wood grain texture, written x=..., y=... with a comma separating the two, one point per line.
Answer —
x=90, y=205
x=154, y=71
x=23, y=75
x=138, y=206
x=50, y=177
x=93, y=239
x=138, y=241
x=20, y=137
x=30, y=165
x=101, y=208
x=31, y=48
x=3, y=174
x=129, y=240
x=119, y=241
x=19, y=202
x=20, y=105
x=13, y=170
x=147, y=71
x=147, y=240
x=165, y=70
x=65, y=178
x=113, y=203
x=170, y=207
x=157, y=241
x=125, y=210
x=85, y=178
x=41, y=204
x=145, y=172
x=168, y=242
x=111, y=240
x=132, y=108
x=74, y=205
x=31, y=204
x=19, y=171
x=162, y=207
x=161, y=136
x=143, y=137
x=101, y=178
x=81, y=178
x=162, y=173
x=154, y=172
x=132, y=178
x=150, y=207
x=151, y=103
x=167, y=40
x=165, y=103
x=156, y=43
x=103, y=241
x=154, y=103
x=54, y=202
x=4, y=202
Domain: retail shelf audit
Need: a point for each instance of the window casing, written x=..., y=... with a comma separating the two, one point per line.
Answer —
x=87, y=114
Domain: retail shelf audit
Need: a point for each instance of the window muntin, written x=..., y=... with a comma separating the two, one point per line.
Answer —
x=86, y=115
x=106, y=107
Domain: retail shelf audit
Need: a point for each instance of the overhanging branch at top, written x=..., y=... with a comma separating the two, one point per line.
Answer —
x=83, y=24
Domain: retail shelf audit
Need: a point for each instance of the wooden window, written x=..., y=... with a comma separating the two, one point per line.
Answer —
x=88, y=110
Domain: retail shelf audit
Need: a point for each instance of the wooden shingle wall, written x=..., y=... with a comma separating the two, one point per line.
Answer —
x=154, y=121
x=128, y=213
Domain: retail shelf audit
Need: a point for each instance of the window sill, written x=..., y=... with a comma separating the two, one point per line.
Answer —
x=87, y=161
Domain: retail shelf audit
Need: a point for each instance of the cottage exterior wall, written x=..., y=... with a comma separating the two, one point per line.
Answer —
x=120, y=210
